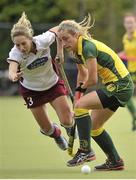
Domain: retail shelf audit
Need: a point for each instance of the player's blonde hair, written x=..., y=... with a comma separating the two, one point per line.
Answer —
x=22, y=27
x=81, y=28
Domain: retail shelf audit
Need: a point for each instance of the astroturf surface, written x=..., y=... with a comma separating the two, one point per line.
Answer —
x=27, y=154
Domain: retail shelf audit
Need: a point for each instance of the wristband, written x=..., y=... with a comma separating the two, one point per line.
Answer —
x=80, y=89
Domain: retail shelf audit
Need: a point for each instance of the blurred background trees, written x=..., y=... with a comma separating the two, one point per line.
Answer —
x=45, y=14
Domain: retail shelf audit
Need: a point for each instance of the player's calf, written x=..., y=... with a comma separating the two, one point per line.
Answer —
x=59, y=139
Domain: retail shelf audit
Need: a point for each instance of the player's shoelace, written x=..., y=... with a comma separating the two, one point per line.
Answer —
x=80, y=157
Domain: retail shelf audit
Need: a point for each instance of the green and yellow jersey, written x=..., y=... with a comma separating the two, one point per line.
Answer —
x=110, y=67
x=130, y=51
x=113, y=73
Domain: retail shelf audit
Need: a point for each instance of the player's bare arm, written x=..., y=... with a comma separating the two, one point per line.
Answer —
x=60, y=53
x=91, y=65
x=14, y=75
x=82, y=74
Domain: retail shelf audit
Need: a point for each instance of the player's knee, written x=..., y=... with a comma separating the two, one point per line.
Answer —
x=78, y=105
x=80, y=112
x=68, y=120
x=97, y=132
x=68, y=124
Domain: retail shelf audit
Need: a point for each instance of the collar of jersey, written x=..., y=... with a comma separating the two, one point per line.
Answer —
x=79, y=45
x=134, y=35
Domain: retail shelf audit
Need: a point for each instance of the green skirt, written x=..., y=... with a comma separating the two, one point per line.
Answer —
x=122, y=89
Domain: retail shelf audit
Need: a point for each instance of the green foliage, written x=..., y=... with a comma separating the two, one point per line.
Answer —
x=40, y=11
x=108, y=16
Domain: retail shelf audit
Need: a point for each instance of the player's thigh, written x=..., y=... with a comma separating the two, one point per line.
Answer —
x=42, y=118
x=89, y=101
x=63, y=109
x=40, y=113
x=100, y=116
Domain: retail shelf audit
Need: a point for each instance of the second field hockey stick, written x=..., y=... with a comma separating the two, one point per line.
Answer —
x=72, y=133
x=60, y=60
x=64, y=77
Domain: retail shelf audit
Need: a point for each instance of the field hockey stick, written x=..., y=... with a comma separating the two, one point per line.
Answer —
x=64, y=77
x=72, y=132
x=79, y=92
x=60, y=60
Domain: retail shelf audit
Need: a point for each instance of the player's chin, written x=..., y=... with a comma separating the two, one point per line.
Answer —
x=26, y=52
x=68, y=50
x=15, y=80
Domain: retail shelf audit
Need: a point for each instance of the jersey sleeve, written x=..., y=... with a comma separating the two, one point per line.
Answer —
x=89, y=50
x=14, y=55
x=45, y=39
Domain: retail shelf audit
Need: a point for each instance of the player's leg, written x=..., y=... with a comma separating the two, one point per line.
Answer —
x=47, y=127
x=98, y=100
x=42, y=118
x=64, y=112
x=83, y=119
x=35, y=101
x=132, y=109
x=84, y=153
x=103, y=139
x=84, y=125
x=131, y=105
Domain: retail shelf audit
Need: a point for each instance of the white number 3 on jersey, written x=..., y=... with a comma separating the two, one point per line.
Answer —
x=30, y=101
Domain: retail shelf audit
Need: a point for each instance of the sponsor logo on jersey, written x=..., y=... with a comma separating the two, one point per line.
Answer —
x=37, y=63
x=111, y=87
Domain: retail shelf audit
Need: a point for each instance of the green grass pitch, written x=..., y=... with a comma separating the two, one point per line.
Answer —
x=27, y=154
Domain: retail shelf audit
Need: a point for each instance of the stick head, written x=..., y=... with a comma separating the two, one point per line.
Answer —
x=70, y=152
